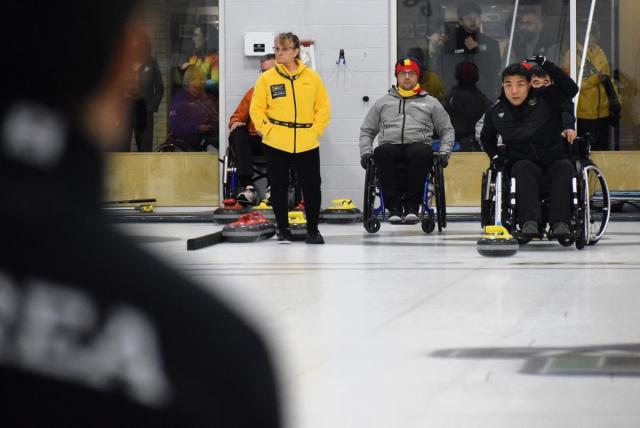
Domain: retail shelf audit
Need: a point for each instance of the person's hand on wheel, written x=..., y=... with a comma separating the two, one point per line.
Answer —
x=364, y=160
x=444, y=159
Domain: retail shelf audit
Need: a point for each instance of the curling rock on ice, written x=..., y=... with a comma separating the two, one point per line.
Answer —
x=342, y=211
x=250, y=227
x=265, y=209
x=230, y=211
x=297, y=225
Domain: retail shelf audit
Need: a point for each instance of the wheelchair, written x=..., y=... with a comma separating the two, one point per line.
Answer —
x=172, y=144
x=231, y=187
x=589, y=200
x=373, y=205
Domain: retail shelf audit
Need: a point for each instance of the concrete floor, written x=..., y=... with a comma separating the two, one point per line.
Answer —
x=405, y=330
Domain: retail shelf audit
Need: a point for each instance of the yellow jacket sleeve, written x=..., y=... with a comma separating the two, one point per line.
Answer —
x=322, y=110
x=258, y=107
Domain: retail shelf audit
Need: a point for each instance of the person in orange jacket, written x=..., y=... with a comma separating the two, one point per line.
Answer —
x=244, y=139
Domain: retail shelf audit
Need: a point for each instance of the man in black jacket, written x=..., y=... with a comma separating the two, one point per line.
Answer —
x=467, y=43
x=95, y=332
x=533, y=124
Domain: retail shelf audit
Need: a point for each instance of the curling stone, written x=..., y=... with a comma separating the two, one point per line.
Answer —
x=497, y=242
x=297, y=225
x=299, y=207
x=265, y=209
x=145, y=208
x=342, y=211
x=250, y=227
x=230, y=211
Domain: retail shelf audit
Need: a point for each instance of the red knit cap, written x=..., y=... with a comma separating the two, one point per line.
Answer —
x=407, y=64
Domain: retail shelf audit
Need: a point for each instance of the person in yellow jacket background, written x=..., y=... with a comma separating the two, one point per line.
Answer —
x=593, y=104
x=290, y=110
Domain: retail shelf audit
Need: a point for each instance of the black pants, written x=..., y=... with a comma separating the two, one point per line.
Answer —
x=599, y=130
x=307, y=167
x=141, y=123
x=529, y=176
x=245, y=146
x=419, y=159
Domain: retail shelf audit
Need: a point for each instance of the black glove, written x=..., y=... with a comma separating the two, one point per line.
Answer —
x=538, y=59
x=364, y=160
x=444, y=159
x=497, y=163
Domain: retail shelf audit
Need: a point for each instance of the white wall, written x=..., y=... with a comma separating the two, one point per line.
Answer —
x=361, y=28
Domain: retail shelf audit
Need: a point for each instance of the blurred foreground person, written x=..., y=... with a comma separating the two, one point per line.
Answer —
x=94, y=332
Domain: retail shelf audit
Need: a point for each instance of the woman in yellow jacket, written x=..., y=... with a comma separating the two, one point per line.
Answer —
x=290, y=109
x=593, y=104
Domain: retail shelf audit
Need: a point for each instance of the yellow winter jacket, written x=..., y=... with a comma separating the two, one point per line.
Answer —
x=592, y=102
x=290, y=110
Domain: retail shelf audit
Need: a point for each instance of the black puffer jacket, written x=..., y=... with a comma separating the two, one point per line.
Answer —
x=532, y=130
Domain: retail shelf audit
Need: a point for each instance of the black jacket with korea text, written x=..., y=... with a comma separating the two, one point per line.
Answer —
x=94, y=331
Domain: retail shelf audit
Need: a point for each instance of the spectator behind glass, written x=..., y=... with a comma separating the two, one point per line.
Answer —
x=147, y=93
x=94, y=330
x=245, y=140
x=290, y=109
x=466, y=105
x=466, y=43
x=193, y=116
x=530, y=38
x=205, y=55
x=430, y=82
x=593, y=104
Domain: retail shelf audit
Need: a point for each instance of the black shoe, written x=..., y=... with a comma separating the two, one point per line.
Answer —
x=284, y=236
x=314, y=238
x=411, y=215
x=530, y=229
x=560, y=230
x=394, y=215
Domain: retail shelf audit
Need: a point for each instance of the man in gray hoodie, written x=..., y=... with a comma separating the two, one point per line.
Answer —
x=405, y=120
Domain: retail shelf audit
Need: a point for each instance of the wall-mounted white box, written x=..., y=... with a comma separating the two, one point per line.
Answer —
x=258, y=44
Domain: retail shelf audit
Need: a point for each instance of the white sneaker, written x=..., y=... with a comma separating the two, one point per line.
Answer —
x=248, y=197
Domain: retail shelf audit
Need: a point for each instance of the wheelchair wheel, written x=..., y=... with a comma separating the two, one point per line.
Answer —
x=369, y=200
x=229, y=176
x=566, y=242
x=428, y=224
x=486, y=200
x=596, y=204
x=372, y=225
x=441, y=212
x=169, y=147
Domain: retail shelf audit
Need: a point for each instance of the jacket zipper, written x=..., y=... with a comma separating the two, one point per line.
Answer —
x=404, y=118
x=295, y=116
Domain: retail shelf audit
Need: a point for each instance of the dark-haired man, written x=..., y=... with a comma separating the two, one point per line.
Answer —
x=467, y=43
x=404, y=120
x=94, y=331
x=533, y=124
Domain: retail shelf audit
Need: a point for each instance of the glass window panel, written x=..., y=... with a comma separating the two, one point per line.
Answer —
x=430, y=30
x=182, y=35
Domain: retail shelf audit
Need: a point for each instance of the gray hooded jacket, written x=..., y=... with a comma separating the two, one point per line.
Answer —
x=397, y=120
